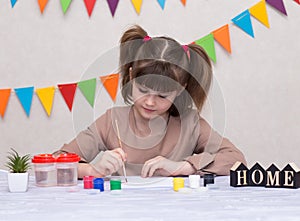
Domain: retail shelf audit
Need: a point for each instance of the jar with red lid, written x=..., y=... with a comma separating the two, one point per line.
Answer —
x=66, y=166
x=44, y=170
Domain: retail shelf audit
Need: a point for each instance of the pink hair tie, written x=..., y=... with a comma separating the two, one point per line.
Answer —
x=147, y=38
x=187, y=51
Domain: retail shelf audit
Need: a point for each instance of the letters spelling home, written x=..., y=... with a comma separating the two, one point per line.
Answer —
x=288, y=177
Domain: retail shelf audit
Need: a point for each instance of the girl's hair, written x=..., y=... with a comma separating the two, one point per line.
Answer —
x=162, y=64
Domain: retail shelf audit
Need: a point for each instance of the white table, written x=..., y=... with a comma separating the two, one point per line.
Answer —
x=155, y=203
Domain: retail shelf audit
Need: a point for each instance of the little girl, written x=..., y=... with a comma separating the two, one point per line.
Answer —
x=160, y=132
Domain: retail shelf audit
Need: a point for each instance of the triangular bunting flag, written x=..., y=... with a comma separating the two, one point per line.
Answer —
x=25, y=97
x=298, y=1
x=113, y=6
x=42, y=4
x=46, y=96
x=162, y=3
x=89, y=4
x=243, y=21
x=137, y=5
x=259, y=11
x=222, y=36
x=88, y=89
x=68, y=92
x=4, y=97
x=13, y=2
x=110, y=82
x=277, y=4
x=183, y=2
x=65, y=5
x=207, y=43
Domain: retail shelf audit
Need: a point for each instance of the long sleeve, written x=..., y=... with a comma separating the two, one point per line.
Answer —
x=214, y=153
x=89, y=142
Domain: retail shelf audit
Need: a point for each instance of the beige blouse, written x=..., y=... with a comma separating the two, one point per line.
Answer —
x=188, y=137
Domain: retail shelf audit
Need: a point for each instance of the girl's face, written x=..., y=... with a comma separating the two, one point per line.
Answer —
x=149, y=103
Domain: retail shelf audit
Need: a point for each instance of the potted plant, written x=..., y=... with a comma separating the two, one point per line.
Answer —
x=18, y=175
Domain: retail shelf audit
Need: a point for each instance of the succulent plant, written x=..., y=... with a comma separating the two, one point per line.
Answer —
x=17, y=163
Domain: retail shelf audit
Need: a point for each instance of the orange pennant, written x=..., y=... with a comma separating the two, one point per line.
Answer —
x=222, y=36
x=42, y=4
x=183, y=2
x=4, y=96
x=110, y=82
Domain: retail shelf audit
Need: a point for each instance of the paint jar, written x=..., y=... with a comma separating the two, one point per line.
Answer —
x=88, y=182
x=99, y=184
x=66, y=165
x=115, y=184
x=44, y=170
x=178, y=183
x=208, y=179
x=194, y=181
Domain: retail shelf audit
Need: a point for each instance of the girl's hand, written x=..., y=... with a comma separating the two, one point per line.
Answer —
x=165, y=167
x=110, y=161
x=86, y=169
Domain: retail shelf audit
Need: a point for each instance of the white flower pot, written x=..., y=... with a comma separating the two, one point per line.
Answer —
x=18, y=182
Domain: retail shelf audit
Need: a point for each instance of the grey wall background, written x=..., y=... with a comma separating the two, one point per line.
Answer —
x=258, y=82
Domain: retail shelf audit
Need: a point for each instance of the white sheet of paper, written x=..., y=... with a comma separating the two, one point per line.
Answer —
x=150, y=182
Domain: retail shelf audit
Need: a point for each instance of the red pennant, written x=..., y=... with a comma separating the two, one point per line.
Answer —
x=183, y=2
x=68, y=92
x=298, y=1
x=89, y=4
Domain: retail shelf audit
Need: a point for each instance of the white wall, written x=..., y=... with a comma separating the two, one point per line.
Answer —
x=258, y=82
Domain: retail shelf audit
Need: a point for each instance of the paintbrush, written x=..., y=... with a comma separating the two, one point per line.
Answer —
x=120, y=143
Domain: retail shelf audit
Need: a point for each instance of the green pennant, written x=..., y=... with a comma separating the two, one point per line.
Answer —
x=207, y=42
x=65, y=5
x=88, y=89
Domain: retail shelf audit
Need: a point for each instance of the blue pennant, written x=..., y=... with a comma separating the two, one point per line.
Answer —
x=243, y=21
x=13, y=2
x=162, y=3
x=25, y=97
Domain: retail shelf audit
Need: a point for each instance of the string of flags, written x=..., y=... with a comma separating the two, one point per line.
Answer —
x=89, y=4
x=111, y=81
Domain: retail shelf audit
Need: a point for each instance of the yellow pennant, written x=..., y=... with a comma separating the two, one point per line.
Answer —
x=137, y=5
x=46, y=96
x=259, y=11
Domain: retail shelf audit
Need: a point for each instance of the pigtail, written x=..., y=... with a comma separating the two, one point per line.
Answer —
x=201, y=75
x=130, y=42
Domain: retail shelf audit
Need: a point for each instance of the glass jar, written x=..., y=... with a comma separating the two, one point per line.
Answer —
x=44, y=170
x=66, y=166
